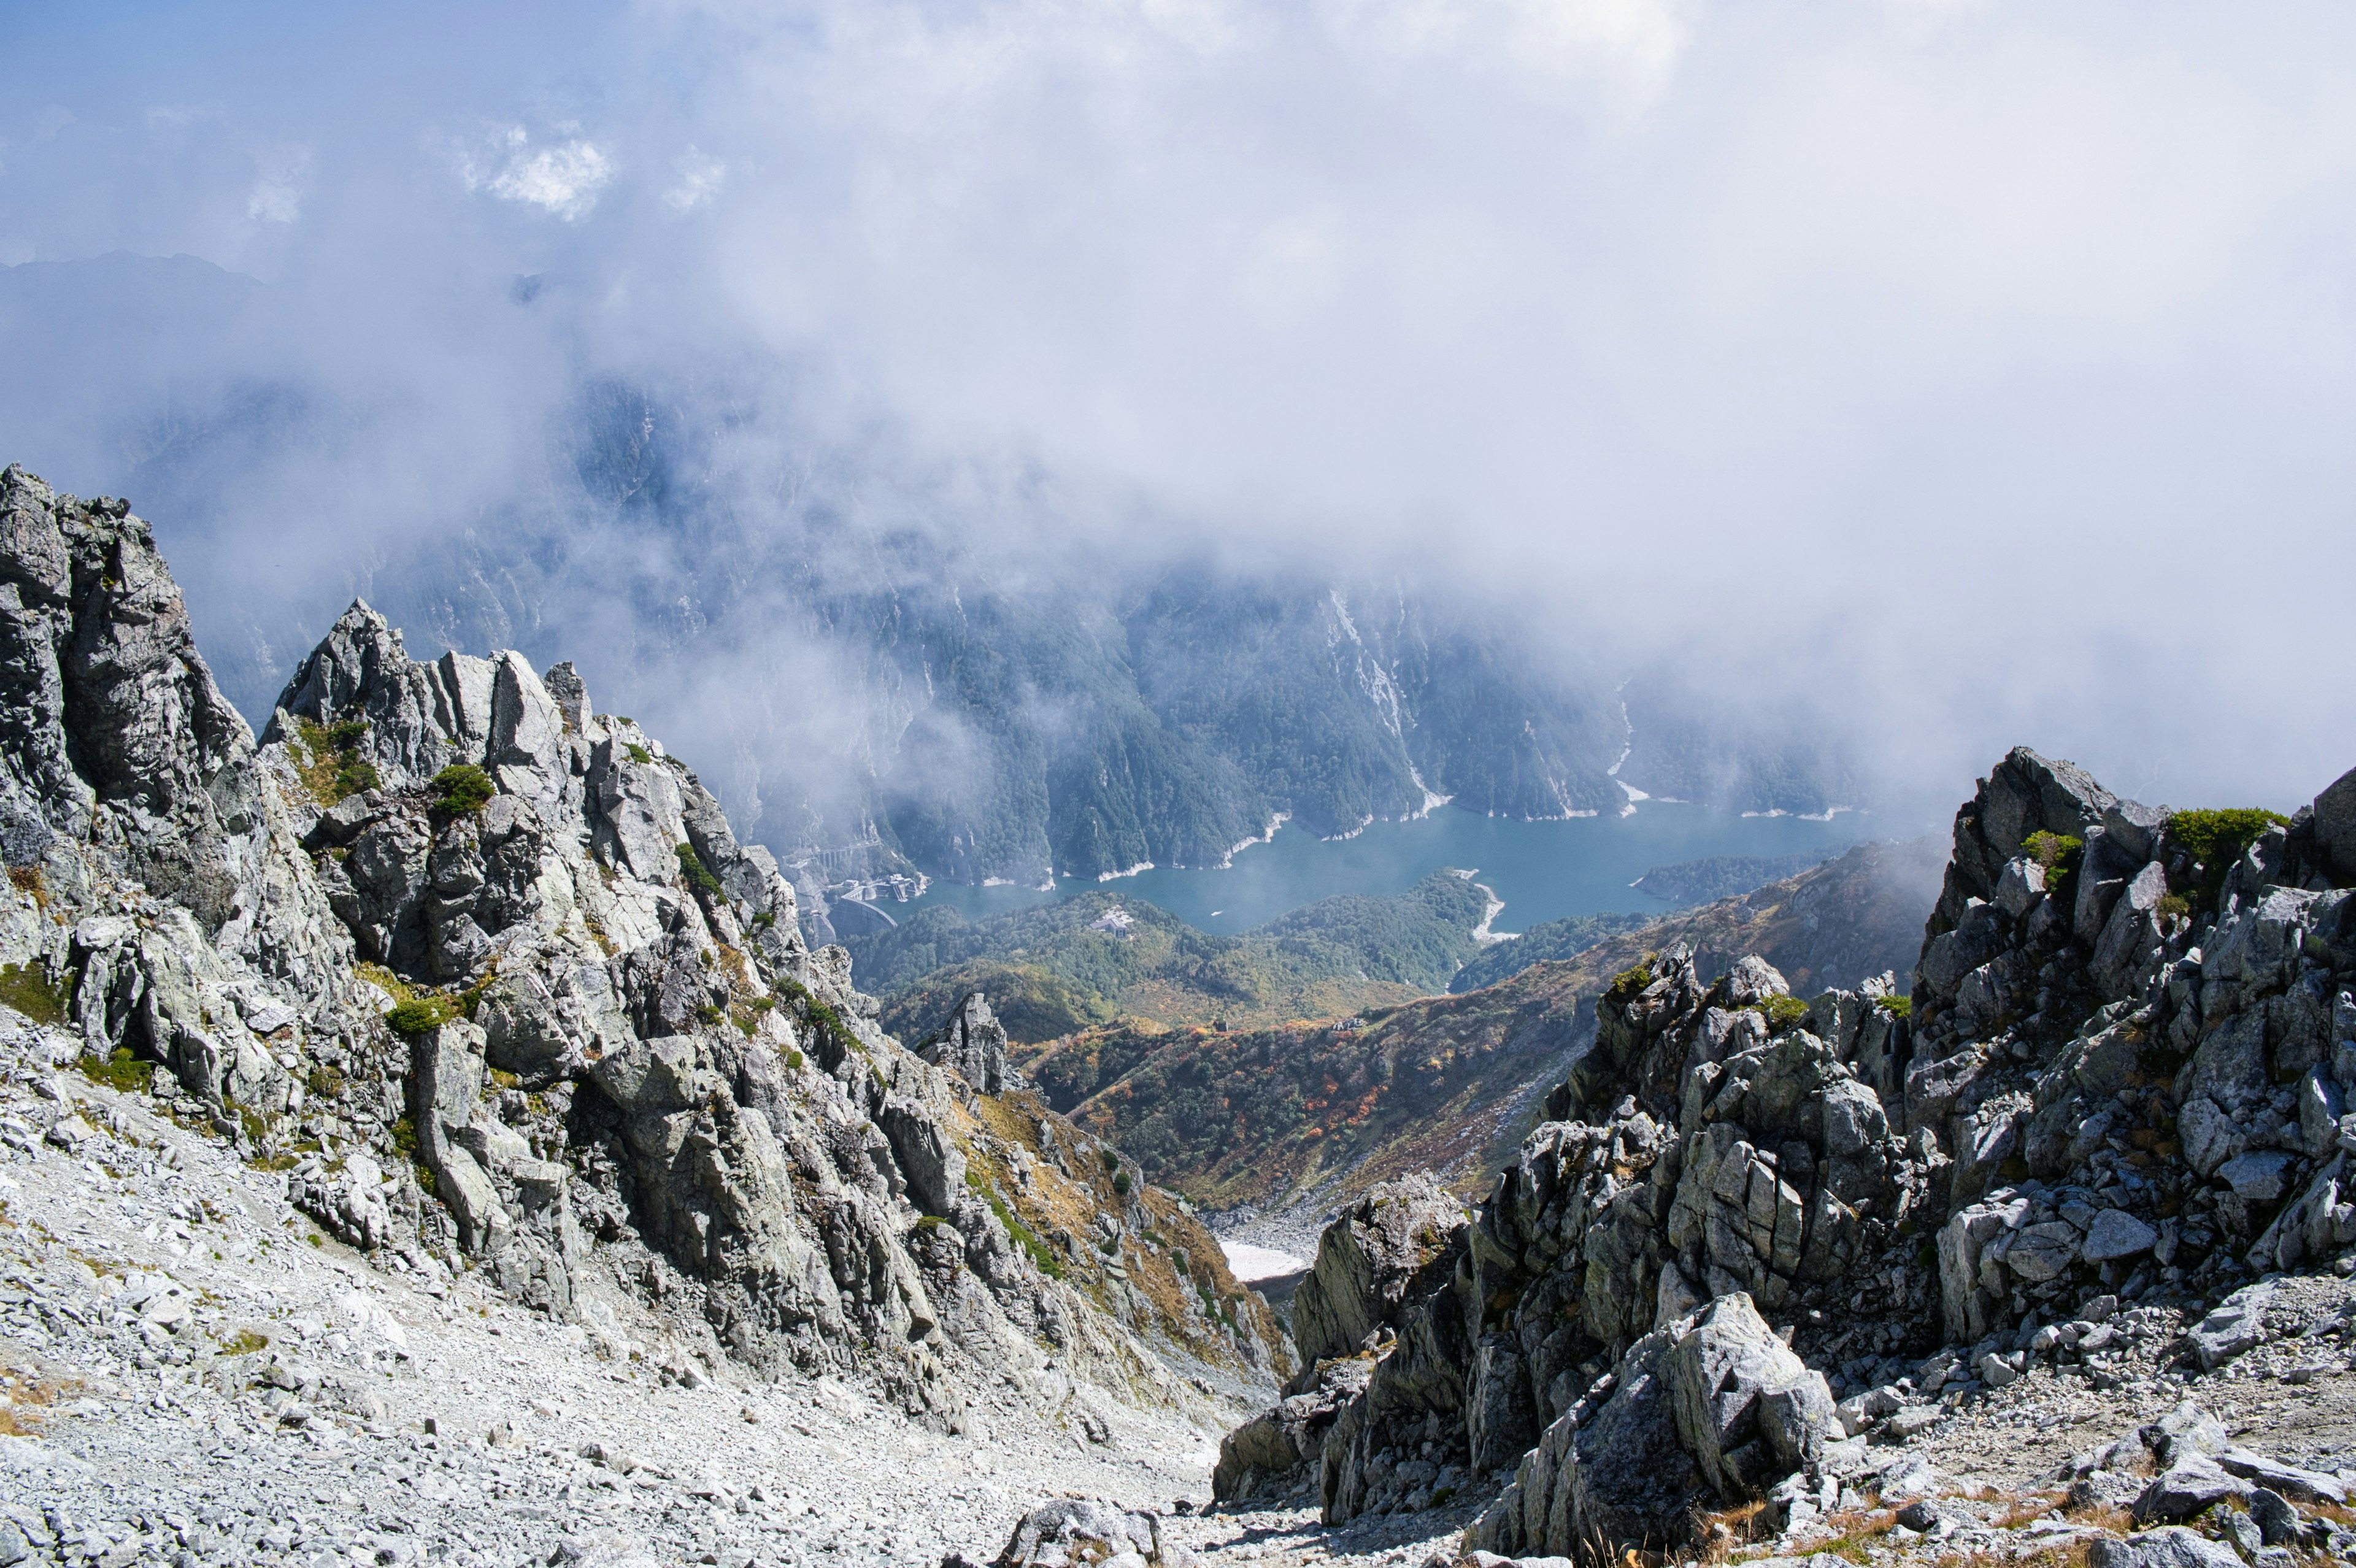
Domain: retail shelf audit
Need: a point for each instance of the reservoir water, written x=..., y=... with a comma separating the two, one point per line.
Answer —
x=1544, y=870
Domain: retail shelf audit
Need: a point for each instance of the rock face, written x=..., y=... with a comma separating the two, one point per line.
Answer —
x=2124, y=1073
x=489, y=976
x=972, y=1045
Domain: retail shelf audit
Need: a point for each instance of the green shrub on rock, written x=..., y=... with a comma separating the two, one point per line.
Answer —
x=2216, y=838
x=462, y=789
x=693, y=871
x=1627, y=985
x=2060, y=854
x=422, y=1014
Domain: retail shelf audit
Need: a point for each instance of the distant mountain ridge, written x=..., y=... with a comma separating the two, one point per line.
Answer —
x=993, y=707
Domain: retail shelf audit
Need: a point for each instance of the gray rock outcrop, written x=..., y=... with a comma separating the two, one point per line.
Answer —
x=972, y=1044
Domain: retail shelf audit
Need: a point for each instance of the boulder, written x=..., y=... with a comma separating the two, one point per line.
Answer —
x=2335, y=826
x=1712, y=1406
x=1367, y=1263
x=2259, y=1176
x=1072, y=1531
x=2307, y=1486
x=2186, y=1431
x=2278, y=1523
x=2116, y=1234
x=2173, y=1546
x=1281, y=1448
x=2234, y=1325
x=2186, y=1487
x=1747, y=1409
x=1620, y=1477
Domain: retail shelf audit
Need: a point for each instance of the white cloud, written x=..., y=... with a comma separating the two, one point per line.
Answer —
x=1632, y=43
x=563, y=181
x=699, y=177
x=280, y=175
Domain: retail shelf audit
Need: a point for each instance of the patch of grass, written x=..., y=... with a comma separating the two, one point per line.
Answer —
x=384, y=980
x=404, y=1138
x=1024, y=1237
x=325, y=1082
x=244, y=1342
x=1896, y=1006
x=793, y=1060
x=121, y=1070
x=27, y=880
x=27, y=988
x=423, y=1014
x=1781, y=1012
x=463, y=789
x=692, y=872
x=637, y=754
x=818, y=1016
x=334, y=769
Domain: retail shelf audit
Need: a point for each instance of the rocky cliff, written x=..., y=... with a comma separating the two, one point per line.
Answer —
x=1753, y=1229
x=488, y=976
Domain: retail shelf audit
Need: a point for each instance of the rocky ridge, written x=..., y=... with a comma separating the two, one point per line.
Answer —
x=485, y=978
x=1754, y=1231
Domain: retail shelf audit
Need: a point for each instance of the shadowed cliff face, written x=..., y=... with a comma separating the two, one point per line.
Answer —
x=1310, y=1114
x=489, y=977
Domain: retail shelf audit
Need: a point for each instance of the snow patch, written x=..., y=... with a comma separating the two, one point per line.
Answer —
x=1249, y=1263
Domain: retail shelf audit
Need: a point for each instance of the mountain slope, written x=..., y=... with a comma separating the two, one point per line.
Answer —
x=486, y=979
x=1303, y=1116
x=1101, y=957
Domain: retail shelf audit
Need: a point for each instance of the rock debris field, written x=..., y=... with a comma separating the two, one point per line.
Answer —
x=196, y=1374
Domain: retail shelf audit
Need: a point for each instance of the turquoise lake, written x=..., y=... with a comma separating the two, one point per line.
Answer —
x=1544, y=870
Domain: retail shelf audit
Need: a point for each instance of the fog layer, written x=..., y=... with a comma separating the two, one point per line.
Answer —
x=1975, y=373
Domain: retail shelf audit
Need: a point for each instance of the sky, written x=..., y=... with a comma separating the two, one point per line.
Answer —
x=1983, y=370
